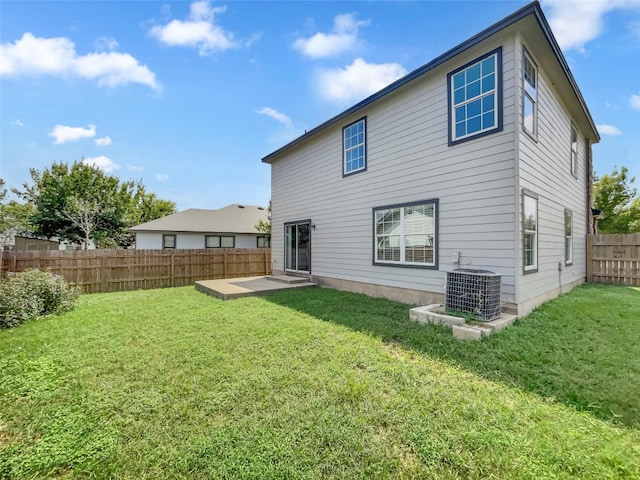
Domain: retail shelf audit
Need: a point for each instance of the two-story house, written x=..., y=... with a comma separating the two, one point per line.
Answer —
x=480, y=159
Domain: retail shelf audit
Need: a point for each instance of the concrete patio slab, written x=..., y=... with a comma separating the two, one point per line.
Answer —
x=229, y=288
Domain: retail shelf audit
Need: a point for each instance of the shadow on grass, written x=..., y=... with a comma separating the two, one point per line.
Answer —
x=581, y=349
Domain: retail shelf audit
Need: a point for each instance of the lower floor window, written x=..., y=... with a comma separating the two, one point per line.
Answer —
x=218, y=241
x=568, y=237
x=406, y=234
x=264, y=242
x=530, y=231
x=168, y=241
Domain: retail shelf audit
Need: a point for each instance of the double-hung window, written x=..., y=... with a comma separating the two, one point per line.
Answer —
x=354, y=158
x=475, y=98
x=568, y=237
x=574, y=151
x=219, y=241
x=530, y=231
x=406, y=234
x=529, y=95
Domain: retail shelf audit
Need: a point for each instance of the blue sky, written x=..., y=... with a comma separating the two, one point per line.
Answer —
x=189, y=96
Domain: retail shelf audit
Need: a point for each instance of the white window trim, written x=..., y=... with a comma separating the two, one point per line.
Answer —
x=574, y=150
x=402, y=261
x=363, y=144
x=526, y=95
x=533, y=267
x=568, y=259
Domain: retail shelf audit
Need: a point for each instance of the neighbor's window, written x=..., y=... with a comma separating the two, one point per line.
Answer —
x=355, y=149
x=474, y=95
x=406, y=234
x=568, y=237
x=217, y=241
x=264, y=242
x=530, y=231
x=574, y=151
x=529, y=95
x=168, y=241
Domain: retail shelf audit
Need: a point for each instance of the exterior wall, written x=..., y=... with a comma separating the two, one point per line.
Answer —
x=153, y=240
x=545, y=169
x=408, y=159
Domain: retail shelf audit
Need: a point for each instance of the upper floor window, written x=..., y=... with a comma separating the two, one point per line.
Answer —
x=218, y=241
x=529, y=95
x=574, y=151
x=168, y=241
x=406, y=234
x=568, y=237
x=355, y=148
x=475, y=92
x=530, y=231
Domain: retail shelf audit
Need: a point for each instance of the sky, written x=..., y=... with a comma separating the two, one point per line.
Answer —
x=188, y=97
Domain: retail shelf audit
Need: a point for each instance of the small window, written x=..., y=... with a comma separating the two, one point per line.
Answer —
x=568, y=237
x=574, y=151
x=475, y=98
x=217, y=241
x=406, y=234
x=264, y=242
x=530, y=231
x=168, y=241
x=355, y=148
x=529, y=95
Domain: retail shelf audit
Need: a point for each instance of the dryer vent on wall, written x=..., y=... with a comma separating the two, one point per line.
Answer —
x=474, y=292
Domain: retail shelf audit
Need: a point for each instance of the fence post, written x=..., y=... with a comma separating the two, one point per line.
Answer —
x=266, y=262
x=589, y=258
x=172, y=280
x=224, y=264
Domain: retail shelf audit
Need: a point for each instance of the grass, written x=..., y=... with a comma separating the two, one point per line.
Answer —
x=319, y=384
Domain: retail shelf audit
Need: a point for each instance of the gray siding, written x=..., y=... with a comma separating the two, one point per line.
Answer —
x=408, y=159
x=545, y=169
x=153, y=240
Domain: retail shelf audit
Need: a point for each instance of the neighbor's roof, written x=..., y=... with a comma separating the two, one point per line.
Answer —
x=528, y=19
x=233, y=218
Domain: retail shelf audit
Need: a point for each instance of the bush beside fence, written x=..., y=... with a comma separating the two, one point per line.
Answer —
x=122, y=270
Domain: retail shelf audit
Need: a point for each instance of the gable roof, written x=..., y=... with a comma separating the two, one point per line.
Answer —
x=530, y=19
x=233, y=218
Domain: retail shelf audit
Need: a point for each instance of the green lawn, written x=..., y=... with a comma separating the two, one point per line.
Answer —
x=319, y=384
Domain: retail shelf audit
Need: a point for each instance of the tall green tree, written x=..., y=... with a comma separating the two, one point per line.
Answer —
x=616, y=197
x=263, y=226
x=80, y=203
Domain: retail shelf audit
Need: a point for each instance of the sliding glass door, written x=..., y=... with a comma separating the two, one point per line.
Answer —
x=298, y=246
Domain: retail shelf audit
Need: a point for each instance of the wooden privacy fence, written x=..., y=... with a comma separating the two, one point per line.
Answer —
x=614, y=259
x=123, y=270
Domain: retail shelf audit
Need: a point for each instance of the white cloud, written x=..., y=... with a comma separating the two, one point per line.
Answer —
x=270, y=112
x=199, y=30
x=106, y=44
x=17, y=122
x=103, y=142
x=608, y=130
x=135, y=168
x=102, y=162
x=64, y=134
x=576, y=22
x=358, y=80
x=57, y=57
x=634, y=100
x=162, y=177
x=343, y=38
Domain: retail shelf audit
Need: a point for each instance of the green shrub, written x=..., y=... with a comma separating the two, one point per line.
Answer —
x=34, y=293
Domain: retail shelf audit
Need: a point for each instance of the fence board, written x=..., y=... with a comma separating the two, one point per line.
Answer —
x=122, y=270
x=614, y=259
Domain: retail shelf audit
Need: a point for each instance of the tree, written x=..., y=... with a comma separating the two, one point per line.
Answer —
x=79, y=203
x=263, y=226
x=615, y=196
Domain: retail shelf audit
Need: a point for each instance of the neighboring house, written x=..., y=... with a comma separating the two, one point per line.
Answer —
x=480, y=159
x=233, y=226
x=25, y=244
